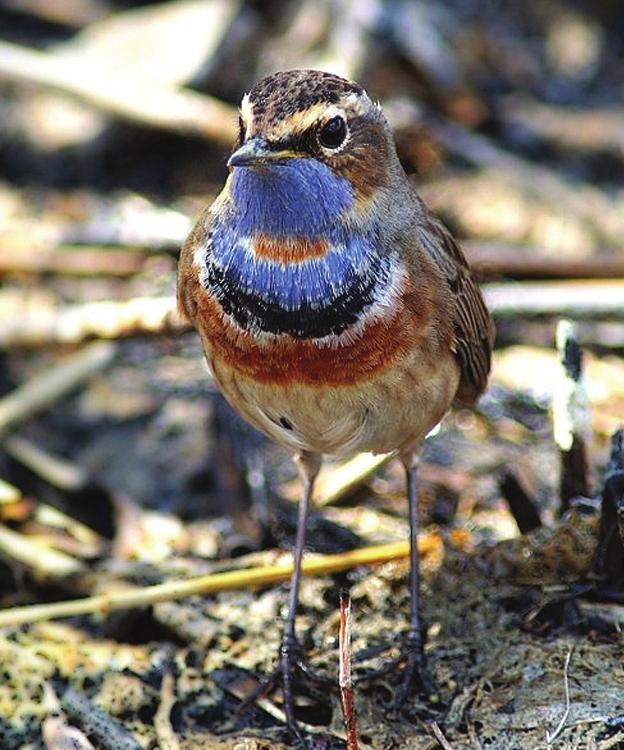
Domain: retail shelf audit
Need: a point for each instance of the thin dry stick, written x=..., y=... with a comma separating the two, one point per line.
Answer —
x=571, y=410
x=489, y=260
x=8, y=493
x=201, y=585
x=167, y=738
x=57, y=471
x=595, y=129
x=72, y=262
x=137, y=100
x=586, y=202
x=44, y=562
x=472, y=733
x=437, y=733
x=47, y=387
x=550, y=738
x=112, y=319
x=578, y=299
x=108, y=319
x=338, y=481
x=106, y=730
x=344, y=674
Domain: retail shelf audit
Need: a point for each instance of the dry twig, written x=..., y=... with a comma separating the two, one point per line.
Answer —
x=73, y=262
x=202, y=585
x=437, y=733
x=550, y=738
x=58, y=472
x=112, y=319
x=340, y=480
x=47, y=387
x=593, y=129
x=578, y=299
x=108, y=733
x=44, y=562
x=141, y=101
x=520, y=262
x=167, y=738
x=8, y=493
x=344, y=675
x=106, y=320
x=571, y=417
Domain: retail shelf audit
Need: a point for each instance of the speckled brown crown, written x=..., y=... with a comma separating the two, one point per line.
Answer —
x=287, y=92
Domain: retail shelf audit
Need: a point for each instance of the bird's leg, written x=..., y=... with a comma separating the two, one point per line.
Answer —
x=411, y=658
x=291, y=657
x=415, y=673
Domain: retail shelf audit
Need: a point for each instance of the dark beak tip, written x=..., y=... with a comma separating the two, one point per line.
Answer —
x=250, y=153
x=235, y=161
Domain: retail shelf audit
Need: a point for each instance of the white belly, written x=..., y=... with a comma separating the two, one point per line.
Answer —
x=394, y=410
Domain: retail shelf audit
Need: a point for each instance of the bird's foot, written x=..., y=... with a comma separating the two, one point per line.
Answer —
x=291, y=663
x=413, y=673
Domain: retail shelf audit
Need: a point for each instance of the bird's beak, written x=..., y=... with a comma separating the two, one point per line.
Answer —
x=255, y=152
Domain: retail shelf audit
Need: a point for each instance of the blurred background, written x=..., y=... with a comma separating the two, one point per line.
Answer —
x=116, y=120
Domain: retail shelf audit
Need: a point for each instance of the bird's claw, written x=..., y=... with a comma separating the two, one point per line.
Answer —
x=291, y=660
x=415, y=676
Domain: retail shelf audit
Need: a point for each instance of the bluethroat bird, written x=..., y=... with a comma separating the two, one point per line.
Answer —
x=336, y=313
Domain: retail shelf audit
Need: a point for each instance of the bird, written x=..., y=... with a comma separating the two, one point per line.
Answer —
x=337, y=314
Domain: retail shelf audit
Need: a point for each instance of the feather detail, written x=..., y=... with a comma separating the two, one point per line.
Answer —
x=474, y=330
x=387, y=334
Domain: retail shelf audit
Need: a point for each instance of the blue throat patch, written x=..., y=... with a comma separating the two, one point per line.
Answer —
x=296, y=198
x=309, y=299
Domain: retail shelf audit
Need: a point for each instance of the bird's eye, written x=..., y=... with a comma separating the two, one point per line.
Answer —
x=333, y=133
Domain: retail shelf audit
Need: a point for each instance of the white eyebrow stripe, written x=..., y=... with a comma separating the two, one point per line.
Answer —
x=299, y=122
x=246, y=111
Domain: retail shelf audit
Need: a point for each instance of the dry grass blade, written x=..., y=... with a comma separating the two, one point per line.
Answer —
x=576, y=299
x=8, y=493
x=167, y=739
x=109, y=319
x=46, y=388
x=550, y=738
x=201, y=585
x=71, y=261
x=44, y=562
x=340, y=480
x=437, y=733
x=136, y=100
x=56, y=471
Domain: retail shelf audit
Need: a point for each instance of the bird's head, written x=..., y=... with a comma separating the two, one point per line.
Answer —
x=301, y=119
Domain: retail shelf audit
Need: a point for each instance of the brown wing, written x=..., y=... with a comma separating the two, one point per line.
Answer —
x=473, y=326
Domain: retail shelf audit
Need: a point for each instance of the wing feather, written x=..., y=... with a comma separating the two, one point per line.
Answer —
x=473, y=326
